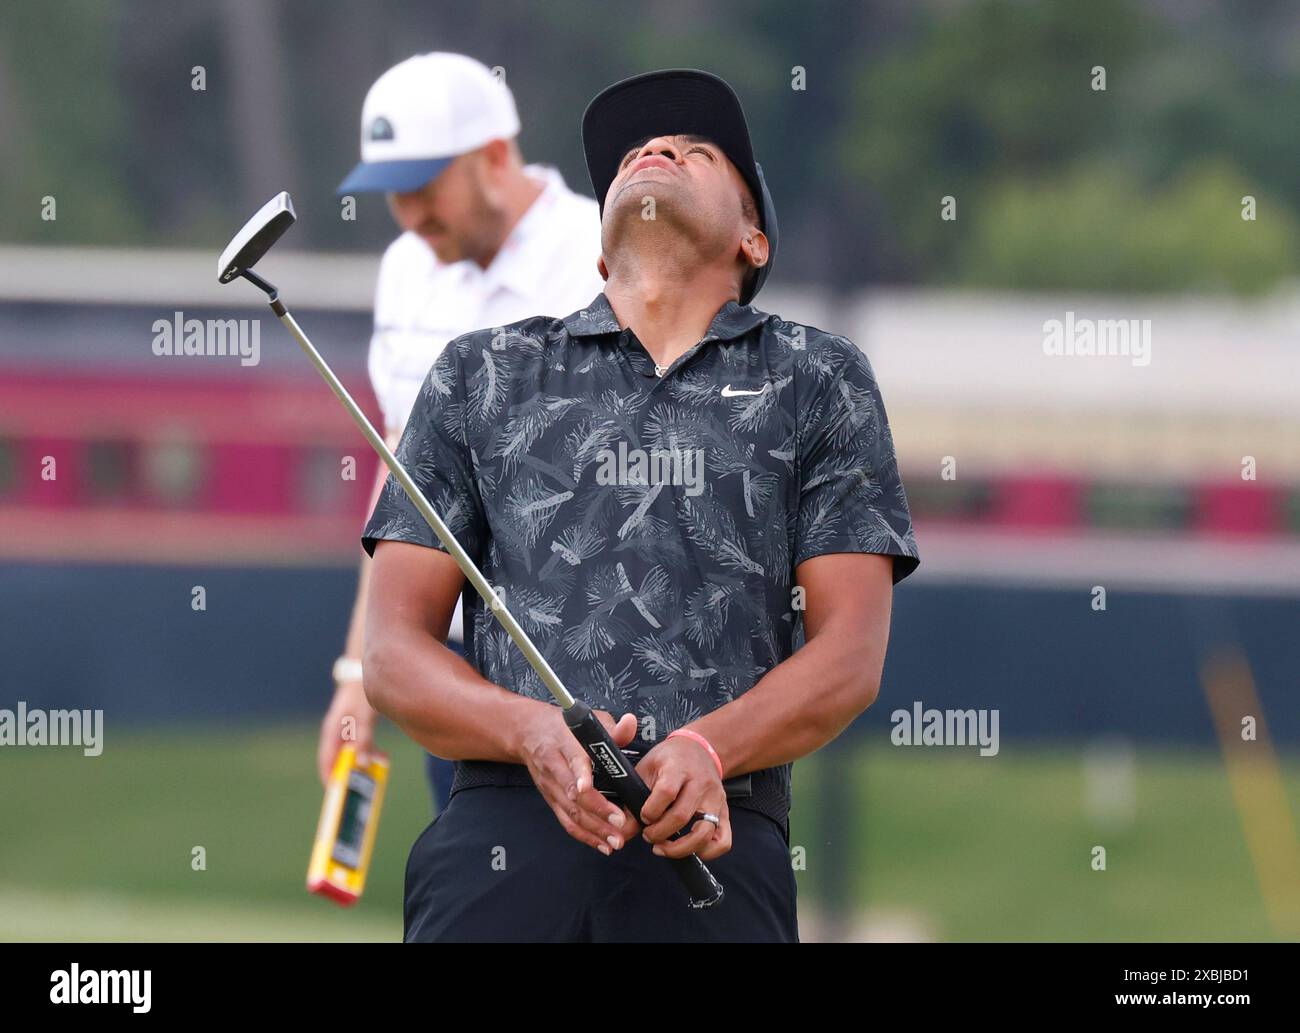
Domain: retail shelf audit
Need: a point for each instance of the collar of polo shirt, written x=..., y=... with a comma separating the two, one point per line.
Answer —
x=731, y=321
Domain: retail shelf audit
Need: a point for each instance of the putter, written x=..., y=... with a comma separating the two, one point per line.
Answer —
x=247, y=247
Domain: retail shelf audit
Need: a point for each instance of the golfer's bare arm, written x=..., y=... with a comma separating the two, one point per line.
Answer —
x=807, y=700
x=432, y=694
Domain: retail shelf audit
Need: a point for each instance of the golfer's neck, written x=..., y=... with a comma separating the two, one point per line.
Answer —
x=669, y=315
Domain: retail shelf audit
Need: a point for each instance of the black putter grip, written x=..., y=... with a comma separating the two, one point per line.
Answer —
x=632, y=792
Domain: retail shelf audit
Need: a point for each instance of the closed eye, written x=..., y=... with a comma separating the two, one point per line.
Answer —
x=702, y=150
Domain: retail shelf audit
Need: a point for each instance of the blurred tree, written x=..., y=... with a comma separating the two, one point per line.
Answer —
x=62, y=123
x=903, y=103
x=1095, y=230
x=263, y=148
x=1060, y=185
x=981, y=91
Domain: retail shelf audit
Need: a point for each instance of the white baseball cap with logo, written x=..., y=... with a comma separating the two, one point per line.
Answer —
x=423, y=113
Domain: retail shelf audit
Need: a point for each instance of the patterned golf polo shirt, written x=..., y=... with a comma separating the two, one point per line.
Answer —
x=644, y=525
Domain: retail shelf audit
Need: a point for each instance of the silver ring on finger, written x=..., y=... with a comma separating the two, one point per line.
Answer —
x=705, y=816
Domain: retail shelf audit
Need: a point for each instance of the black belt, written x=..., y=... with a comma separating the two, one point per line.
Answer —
x=765, y=791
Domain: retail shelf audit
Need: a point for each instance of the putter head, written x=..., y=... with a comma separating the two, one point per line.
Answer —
x=257, y=237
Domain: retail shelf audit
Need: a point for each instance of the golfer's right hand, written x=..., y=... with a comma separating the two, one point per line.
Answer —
x=351, y=715
x=561, y=770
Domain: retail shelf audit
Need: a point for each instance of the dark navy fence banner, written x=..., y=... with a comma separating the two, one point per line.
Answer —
x=127, y=640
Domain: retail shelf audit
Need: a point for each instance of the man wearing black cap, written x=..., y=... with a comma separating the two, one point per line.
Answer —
x=693, y=508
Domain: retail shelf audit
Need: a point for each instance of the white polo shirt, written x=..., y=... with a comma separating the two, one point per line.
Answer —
x=546, y=267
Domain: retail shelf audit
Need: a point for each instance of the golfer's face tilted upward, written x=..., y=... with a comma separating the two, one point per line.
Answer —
x=681, y=190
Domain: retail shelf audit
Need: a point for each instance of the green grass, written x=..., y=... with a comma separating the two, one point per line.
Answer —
x=953, y=845
x=121, y=829
x=1001, y=848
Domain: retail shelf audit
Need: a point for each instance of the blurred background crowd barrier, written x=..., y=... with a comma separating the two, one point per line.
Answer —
x=1167, y=490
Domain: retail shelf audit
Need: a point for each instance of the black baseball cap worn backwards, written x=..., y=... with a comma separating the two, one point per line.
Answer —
x=675, y=101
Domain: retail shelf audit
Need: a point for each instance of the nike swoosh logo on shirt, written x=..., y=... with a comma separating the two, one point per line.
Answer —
x=730, y=392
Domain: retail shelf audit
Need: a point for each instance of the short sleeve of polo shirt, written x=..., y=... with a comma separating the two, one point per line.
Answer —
x=851, y=497
x=435, y=451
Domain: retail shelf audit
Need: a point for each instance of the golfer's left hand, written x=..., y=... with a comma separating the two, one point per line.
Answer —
x=684, y=782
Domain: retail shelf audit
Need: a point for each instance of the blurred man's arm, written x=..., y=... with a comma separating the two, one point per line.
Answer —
x=349, y=703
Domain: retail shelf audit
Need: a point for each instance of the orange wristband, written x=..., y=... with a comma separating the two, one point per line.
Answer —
x=686, y=733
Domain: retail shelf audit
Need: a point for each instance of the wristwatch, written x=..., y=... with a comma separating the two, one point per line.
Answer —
x=346, y=668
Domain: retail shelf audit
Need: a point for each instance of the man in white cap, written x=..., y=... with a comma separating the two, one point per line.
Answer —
x=486, y=241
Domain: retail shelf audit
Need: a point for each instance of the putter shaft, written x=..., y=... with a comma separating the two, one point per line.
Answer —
x=413, y=492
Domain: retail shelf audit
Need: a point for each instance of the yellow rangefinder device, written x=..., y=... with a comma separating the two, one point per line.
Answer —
x=349, y=819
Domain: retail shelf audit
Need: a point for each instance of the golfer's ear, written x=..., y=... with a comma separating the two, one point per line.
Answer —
x=602, y=268
x=754, y=248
